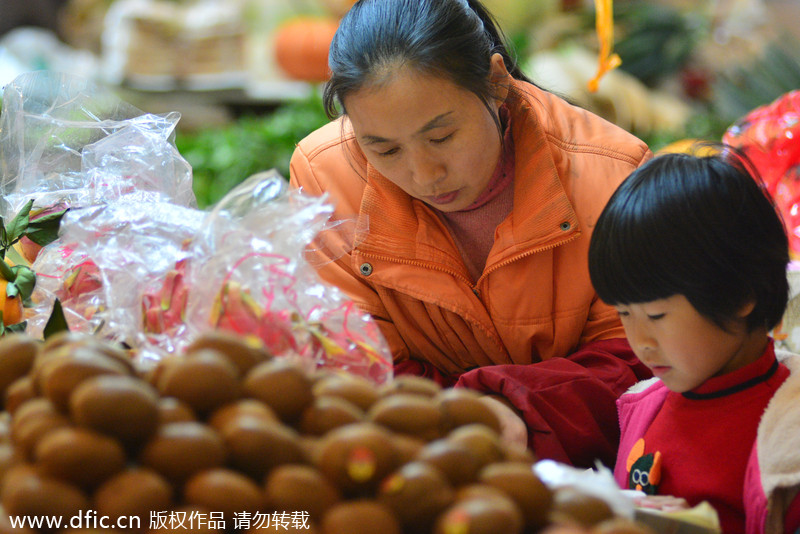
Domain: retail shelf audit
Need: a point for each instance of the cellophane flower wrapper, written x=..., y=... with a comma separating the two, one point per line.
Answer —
x=66, y=141
x=770, y=136
x=118, y=271
x=155, y=275
x=258, y=282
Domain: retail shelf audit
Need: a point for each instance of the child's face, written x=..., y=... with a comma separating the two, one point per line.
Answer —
x=682, y=347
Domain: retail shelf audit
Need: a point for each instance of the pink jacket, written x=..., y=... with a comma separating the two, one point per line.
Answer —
x=772, y=477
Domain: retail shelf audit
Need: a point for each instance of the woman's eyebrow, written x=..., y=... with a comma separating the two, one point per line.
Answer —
x=436, y=122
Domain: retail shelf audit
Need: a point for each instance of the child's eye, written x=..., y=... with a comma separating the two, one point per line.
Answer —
x=655, y=316
x=441, y=139
x=622, y=313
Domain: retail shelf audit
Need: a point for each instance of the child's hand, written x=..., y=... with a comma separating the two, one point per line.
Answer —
x=512, y=427
x=664, y=503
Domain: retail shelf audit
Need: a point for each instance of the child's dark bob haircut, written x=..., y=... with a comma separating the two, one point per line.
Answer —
x=701, y=227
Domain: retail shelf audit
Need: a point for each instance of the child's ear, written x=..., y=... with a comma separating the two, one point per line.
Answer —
x=746, y=309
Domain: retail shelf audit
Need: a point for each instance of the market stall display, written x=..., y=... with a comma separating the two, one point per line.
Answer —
x=233, y=436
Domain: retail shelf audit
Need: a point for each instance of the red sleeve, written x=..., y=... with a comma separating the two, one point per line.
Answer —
x=568, y=404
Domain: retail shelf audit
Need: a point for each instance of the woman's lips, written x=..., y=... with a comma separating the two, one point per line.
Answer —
x=446, y=198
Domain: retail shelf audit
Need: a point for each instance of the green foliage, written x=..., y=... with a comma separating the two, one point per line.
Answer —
x=221, y=158
x=759, y=82
x=655, y=41
x=704, y=124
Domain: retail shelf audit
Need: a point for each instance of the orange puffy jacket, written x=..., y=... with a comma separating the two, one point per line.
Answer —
x=534, y=300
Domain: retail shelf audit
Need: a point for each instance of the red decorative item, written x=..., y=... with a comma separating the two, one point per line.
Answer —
x=301, y=47
x=770, y=136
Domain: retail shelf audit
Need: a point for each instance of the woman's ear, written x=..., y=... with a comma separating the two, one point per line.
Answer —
x=499, y=77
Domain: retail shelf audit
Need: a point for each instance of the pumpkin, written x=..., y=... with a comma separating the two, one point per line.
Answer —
x=338, y=7
x=301, y=47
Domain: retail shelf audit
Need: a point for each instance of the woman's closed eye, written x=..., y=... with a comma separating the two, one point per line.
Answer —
x=655, y=316
x=441, y=140
x=390, y=152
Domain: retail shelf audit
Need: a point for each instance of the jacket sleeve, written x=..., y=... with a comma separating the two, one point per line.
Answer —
x=568, y=404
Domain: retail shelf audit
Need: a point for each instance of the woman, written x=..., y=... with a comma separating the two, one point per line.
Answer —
x=479, y=191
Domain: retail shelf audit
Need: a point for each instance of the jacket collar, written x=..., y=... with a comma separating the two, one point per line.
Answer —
x=405, y=228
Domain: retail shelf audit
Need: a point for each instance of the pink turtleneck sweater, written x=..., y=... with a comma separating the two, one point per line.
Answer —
x=473, y=227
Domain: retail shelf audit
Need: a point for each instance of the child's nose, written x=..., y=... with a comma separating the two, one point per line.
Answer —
x=640, y=338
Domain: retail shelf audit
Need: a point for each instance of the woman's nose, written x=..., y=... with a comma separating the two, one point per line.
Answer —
x=426, y=170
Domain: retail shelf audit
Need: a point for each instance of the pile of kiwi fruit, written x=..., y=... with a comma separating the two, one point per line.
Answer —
x=224, y=427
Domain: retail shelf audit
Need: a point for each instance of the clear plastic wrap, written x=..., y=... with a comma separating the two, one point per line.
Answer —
x=154, y=275
x=136, y=262
x=66, y=140
x=255, y=242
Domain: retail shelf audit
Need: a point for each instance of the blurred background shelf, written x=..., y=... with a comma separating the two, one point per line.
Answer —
x=690, y=68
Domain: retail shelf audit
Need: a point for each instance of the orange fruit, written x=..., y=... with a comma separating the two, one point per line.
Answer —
x=12, y=307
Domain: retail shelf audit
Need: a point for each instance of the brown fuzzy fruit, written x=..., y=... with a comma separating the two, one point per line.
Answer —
x=255, y=446
x=134, y=493
x=80, y=456
x=580, y=507
x=225, y=491
x=205, y=381
x=33, y=420
x=461, y=407
x=455, y=460
x=481, y=515
x=417, y=493
x=124, y=407
x=17, y=353
x=518, y=481
x=353, y=388
x=407, y=413
x=179, y=450
x=29, y=494
x=357, y=457
x=360, y=517
x=326, y=413
x=294, y=487
x=282, y=385
x=245, y=353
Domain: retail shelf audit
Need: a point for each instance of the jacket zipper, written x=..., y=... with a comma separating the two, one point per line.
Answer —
x=432, y=266
x=526, y=254
x=466, y=280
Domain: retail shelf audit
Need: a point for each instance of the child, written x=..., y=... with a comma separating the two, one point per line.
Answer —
x=693, y=255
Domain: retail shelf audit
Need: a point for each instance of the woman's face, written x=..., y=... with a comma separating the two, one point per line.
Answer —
x=435, y=140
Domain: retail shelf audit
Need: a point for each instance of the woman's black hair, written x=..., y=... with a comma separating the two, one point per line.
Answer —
x=699, y=226
x=451, y=38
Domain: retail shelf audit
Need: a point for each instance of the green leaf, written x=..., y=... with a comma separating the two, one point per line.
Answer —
x=15, y=257
x=2, y=233
x=57, y=322
x=5, y=271
x=18, y=224
x=24, y=280
x=44, y=230
x=19, y=327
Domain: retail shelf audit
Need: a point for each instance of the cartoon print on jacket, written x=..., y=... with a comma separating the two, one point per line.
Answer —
x=644, y=470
